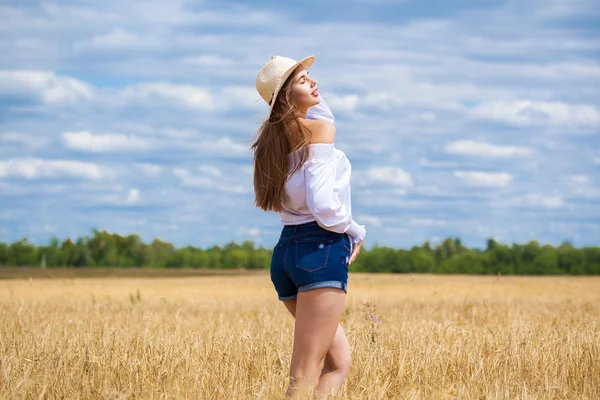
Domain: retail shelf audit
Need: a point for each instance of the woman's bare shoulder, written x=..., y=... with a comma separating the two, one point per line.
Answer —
x=322, y=131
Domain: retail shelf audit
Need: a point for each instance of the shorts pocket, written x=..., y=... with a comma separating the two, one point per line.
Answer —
x=312, y=254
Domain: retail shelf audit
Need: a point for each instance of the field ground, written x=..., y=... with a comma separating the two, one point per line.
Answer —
x=53, y=273
x=227, y=337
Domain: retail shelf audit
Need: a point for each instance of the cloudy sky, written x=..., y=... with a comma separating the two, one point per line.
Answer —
x=467, y=118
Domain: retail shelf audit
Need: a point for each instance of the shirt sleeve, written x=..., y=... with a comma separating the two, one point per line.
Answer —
x=320, y=111
x=325, y=205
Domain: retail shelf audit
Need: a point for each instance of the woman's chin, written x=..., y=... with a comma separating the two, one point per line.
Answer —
x=309, y=103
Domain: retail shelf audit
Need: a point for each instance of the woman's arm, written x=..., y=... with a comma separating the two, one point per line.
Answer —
x=324, y=204
x=319, y=172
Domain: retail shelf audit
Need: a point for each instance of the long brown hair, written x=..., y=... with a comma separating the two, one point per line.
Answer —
x=281, y=134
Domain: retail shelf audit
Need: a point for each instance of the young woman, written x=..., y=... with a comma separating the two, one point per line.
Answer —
x=299, y=173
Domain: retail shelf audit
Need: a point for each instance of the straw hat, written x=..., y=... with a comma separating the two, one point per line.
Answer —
x=274, y=74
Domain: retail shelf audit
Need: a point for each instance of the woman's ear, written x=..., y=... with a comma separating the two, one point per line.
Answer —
x=282, y=98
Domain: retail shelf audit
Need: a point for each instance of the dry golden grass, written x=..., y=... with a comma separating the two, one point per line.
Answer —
x=229, y=338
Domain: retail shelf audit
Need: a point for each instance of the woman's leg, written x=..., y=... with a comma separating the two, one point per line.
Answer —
x=337, y=361
x=337, y=364
x=318, y=314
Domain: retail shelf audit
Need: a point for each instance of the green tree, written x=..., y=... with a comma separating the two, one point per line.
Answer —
x=570, y=260
x=22, y=253
x=260, y=258
x=422, y=260
x=215, y=257
x=236, y=258
x=591, y=259
x=3, y=254
x=161, y=254
x=451, y=256
x=545, y=262
x=468, y=262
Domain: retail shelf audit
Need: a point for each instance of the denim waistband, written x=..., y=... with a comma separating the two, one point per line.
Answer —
x=302, y=229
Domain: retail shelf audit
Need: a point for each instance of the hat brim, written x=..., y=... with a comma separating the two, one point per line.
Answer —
x=305, y=62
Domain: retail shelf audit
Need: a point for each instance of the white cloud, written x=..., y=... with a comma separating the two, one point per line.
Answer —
x=385, y=100
x=194, y=97
x=388, y=175
x=556, y=9
x=426, y=222
x=483, y=149
x=581, y=187
x=538, y=200
x=188, y=179
x=223, y=146
x=116, y=38
x=237, y=97
x=428, y=190
x=244, y=232
x=528, y=112
x=210, y=60
x=485, y=179
x=25, y=139
x=342, y=103
x=369, y=220
x=102, y=143
x=149, y=169
x=254, y=231
x=408, y=88
x=580, y=179
x=47, y=86
x=211, y=170
x=396, y=230
x=585, y=192
x=156, y=15
x=248, y=171
x=33, y=168
x=179, y=133
x=165, y=227
x=438, y=164
x=206, y=182
x=133, y=196
x=109, y=195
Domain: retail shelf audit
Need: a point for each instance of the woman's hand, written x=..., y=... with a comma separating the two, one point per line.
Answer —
x=355, y=252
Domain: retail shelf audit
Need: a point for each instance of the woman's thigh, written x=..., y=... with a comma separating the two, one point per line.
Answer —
x=318, y=314
x=339, y=352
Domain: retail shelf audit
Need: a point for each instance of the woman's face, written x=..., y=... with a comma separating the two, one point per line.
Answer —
x=304, y=92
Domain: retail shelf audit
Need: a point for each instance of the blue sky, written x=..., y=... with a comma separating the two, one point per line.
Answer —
x=474, y=119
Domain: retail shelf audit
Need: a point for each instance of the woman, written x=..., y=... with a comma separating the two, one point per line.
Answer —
x=300, y=174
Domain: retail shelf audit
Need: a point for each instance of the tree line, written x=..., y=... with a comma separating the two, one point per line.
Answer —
x=104, y=249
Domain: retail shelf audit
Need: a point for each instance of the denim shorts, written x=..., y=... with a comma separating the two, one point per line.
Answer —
x=309, y=257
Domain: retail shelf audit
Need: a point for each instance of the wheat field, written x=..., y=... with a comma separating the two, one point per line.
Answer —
x=228, y=337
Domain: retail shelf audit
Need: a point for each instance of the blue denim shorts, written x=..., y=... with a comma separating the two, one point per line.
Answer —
x=309, y=257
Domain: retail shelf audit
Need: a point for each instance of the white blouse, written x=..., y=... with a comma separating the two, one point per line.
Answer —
x=320, y=190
